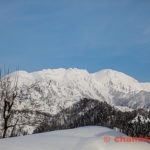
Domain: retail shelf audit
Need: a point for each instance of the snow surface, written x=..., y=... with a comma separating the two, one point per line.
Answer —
x=146, y=86
x=83, y=138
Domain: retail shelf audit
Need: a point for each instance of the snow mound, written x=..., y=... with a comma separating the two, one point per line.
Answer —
x=83, y=138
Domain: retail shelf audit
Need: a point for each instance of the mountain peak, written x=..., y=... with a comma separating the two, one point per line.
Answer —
x=70, y=85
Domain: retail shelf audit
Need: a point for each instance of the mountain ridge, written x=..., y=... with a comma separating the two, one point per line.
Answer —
x=66, y=86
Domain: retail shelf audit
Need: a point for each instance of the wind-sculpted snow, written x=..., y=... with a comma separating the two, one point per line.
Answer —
x=85, y=138
x=60, y=88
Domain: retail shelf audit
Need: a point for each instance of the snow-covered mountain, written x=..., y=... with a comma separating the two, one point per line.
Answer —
x=55, y=89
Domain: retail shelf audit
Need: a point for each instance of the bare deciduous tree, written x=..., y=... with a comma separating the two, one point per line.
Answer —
x=11, y=119
x=8, y=94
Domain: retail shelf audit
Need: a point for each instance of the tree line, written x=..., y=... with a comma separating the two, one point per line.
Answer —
x=93, y=112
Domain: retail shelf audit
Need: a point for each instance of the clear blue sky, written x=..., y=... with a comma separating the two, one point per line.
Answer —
x=87, y=34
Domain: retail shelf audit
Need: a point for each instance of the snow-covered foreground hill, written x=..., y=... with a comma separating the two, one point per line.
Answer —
x=64, y=87
x=84, y=138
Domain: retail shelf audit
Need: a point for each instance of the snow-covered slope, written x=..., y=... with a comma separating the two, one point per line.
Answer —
x=63, y=87
x=146, y=86
x=85, y=138
x=142, y=118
